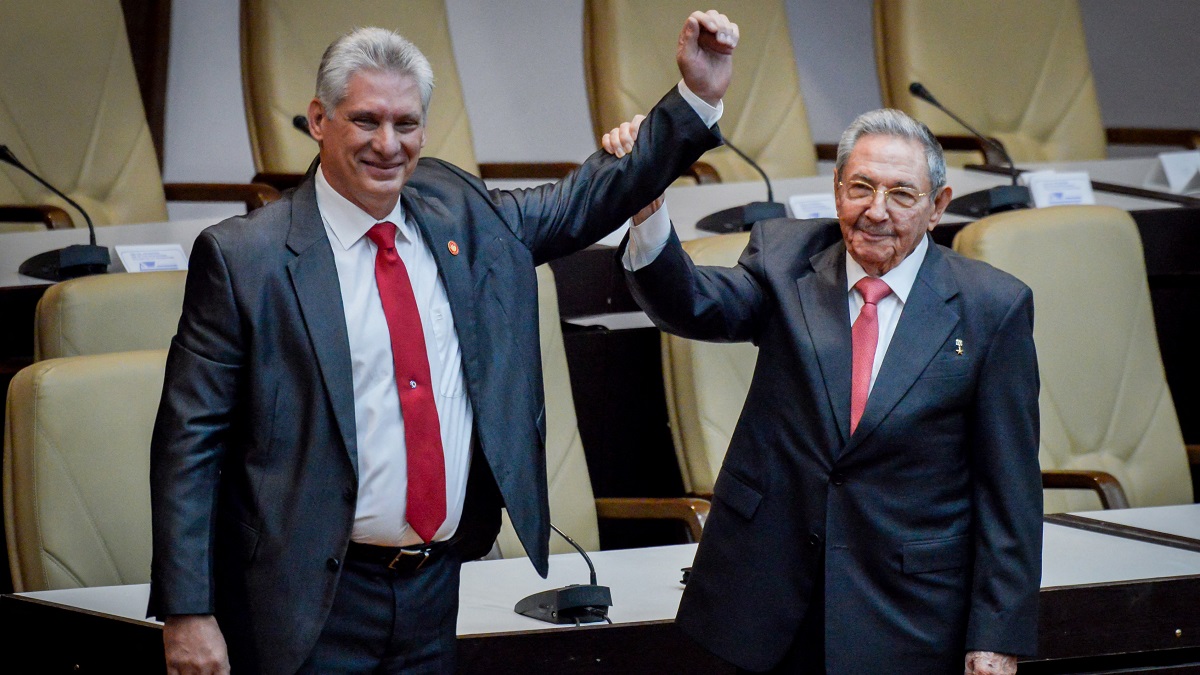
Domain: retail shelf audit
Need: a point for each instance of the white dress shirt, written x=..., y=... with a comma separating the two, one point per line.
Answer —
x=379, y=517
x=647, y=240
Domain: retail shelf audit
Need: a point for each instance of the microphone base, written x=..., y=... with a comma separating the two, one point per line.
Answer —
x=994, y=200
x=570, y=604
x=73, y=261
x=741, y=218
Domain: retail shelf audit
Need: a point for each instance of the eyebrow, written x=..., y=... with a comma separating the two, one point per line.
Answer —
x=871, y=181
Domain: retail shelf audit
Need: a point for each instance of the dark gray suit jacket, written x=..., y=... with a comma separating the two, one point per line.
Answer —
x=924, y=527
x=253, y=466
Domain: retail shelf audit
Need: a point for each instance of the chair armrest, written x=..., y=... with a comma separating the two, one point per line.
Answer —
x=826, y=151
x=279, y=181
x=502, y=170
x=1105, y=485
x=1186, y=138
x=253, y=195
x=704, y=173
x=52, y=217
x=990, y=154
x=1193, y=452
x=689, y=510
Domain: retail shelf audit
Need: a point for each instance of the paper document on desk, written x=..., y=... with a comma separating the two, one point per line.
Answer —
x=1053, y=188
x=152, y=257
x=1177, y=172
x=817, y=205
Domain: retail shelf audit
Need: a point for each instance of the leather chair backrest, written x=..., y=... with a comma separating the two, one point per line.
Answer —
x=572, y=503
x=706, y=382
x=70, y=110
x=1104, y=400
x=76, y=458
x=629, y=61
x=108, y=313
x=1017, y=70
x=282, y=44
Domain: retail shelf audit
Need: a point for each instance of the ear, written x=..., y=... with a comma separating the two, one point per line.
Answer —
x=316, y=117
x=940, y=202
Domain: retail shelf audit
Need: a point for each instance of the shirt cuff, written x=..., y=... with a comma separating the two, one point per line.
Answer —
x=647, y=240
x=708, y=114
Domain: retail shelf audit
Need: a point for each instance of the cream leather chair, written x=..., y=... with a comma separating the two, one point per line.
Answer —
x=70, y=110
x=1041, y=104
x=706, y=382
x=76, y=458
x=573, y=508
x=629, y=61
x=282, y=44
x=1104, y=401
x=108, y=313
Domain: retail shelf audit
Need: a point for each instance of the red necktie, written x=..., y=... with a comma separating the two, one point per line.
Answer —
x=864, y=338
x=426, y=504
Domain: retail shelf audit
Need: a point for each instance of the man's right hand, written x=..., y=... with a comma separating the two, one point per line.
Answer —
x=194, y=645
x=704, y=54
x=619, y=141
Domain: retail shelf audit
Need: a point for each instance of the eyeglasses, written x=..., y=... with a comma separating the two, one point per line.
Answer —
x=900, y=197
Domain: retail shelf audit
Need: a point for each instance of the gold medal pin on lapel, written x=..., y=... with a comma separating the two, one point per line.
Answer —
x=958, y=347
x=453, y=246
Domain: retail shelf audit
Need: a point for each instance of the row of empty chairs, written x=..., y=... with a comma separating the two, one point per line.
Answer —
x=77, y=118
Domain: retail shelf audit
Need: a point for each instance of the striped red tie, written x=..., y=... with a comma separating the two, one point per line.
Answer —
x=426, y=504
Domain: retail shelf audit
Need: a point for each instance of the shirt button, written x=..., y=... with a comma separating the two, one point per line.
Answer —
x=333, y=564
x=412, y=384
x=814, y=540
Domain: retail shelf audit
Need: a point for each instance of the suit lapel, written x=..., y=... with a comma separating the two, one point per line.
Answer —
x=826, y=313
x=924, y=326
x=315, y=280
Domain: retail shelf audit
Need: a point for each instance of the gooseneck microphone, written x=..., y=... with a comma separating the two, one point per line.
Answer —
x=301, y=124
x=984, y=202
x=742, y=218
x=577, y=603
x=73, y=261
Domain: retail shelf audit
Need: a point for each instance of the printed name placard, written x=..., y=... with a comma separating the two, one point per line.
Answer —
x=816, y=205
x=1051, y=188
x=1177, y=172
x=152, y=257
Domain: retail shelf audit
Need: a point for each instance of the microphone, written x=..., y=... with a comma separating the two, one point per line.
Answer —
x=577, y=603
x=73, y=261
x=741, y=218
x=984, y=202
x=301, y=124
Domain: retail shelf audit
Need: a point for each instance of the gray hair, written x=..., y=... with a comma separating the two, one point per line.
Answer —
x=890, y=122
x=375, y=49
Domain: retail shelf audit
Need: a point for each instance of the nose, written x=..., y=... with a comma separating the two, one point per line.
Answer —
x=878, y=209
x=385, y=141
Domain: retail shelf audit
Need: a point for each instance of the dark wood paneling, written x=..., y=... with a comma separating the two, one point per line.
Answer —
x=148, y=24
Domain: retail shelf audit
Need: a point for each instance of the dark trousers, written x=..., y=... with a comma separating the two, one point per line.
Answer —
x=385, y=623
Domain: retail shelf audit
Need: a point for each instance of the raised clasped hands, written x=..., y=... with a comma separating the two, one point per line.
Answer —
x=990, y=663
x=705, y=54
x=619, y=142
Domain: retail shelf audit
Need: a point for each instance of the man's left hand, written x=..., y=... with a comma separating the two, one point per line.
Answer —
x=990, y=663
x=705, y=54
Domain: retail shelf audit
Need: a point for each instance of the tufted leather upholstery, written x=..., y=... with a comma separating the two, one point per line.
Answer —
x=76, y=457
x=572, y=506
x=1104, y=402
x=71, y=111
x=1041, y=103
x=108, y=313
x=282, y=43
x=629, y=61
x=706, y=382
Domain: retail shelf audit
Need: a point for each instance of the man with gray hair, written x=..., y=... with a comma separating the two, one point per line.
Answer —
x=879, y=508
x=355, y=387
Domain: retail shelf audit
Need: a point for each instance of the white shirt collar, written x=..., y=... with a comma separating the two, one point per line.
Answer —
x=900, y=278
x=348, y=222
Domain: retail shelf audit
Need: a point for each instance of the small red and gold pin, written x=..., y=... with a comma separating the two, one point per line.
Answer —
x=453, y=246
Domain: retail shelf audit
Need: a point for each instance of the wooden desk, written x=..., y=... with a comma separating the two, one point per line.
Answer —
x=1104, y=599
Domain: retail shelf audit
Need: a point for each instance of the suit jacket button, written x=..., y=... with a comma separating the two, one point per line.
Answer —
x=348, y=495
x=838, y=478
x=814, y=540
x=333, y=564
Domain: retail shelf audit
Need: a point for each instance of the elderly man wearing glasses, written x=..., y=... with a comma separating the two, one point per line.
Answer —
x=879, y=508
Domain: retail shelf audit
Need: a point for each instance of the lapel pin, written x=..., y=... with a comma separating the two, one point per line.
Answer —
x=453, y=246
x=958, y=347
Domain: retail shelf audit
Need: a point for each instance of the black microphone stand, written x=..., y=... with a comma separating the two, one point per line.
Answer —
x=741, y=218
x=577, y=603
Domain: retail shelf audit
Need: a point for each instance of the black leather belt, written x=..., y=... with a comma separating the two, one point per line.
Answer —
x=402, y=561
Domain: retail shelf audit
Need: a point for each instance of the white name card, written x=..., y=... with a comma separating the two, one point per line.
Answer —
x=1177, y=172
x=152, y=257
x=816, y=205
x=1051, y=188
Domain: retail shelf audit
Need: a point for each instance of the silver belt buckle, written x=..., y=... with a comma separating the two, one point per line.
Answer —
x=423, y=552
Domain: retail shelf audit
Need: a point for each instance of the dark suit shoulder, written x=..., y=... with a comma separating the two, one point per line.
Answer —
x=788, y=244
